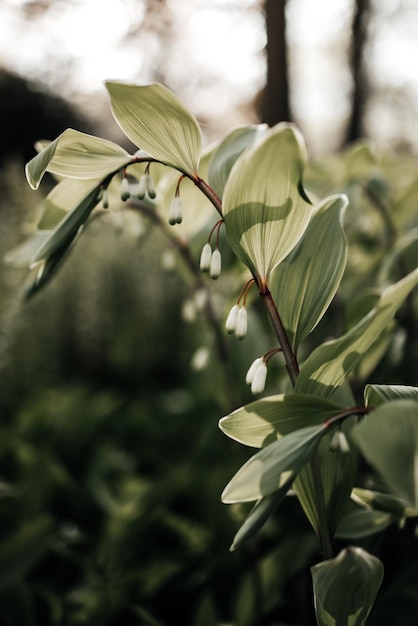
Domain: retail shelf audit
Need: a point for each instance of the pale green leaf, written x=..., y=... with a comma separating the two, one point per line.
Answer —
x=397, y=507
x=62, y=199
x=305, y=283
x=377, y=394
x=264, y=206
x=331, y=363
x=263, y=421
x=68, y=228
x=345, y=587
x=388, y=439
x=274, y=467
x=228, y=151
x=77, y=155
x=22, y=255
x=156, y=121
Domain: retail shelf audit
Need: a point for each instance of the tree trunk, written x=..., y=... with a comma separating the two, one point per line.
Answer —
x=359, y=91
x=273, y=101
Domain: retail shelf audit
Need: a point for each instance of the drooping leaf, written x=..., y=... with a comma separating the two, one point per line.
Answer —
x=47, y=270
x=270, y=418
x=228, y=151
x=68, y=228
x=156, y=121
x=331, y=363
x=21, y=256
x=378, y=394
x=359, y=523
x=274, y=467
x=345, y=587
x=378, y=501
x=338, y=471
x=77, y=155
x=265, y=209
x=257, y=517
x=388, y=439
x=305, y=283
x=62, y=199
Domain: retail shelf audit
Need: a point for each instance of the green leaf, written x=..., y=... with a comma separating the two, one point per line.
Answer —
x=385, y=502
x=338, y=472
x=22, y=255
x=378, y=394
x=228, y=151
x=345, y=587
x=47, y=270
x=388, y=439
x=362, y=523
x=156, y=121
x=263, y=421
x=264, y=206
x=331, y=363
x=305, y=283
x=77, y=155
x=62, y=199
x=274, y=467
x=257, y=517
x=68, y=228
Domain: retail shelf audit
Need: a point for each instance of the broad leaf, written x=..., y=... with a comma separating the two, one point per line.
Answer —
x=263, y=421
x=47, y=270
x=331, y=363
x=388, y=439
x=358, y=523
x=264, y=206
x=156, y=121
x=228, y=151
x=68, y=228
x=345, y=587
x=305, y=283
x=77, y=155
x=378, y=394
x=274, y=467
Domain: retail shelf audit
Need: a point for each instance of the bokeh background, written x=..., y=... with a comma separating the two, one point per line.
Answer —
x=111, y=461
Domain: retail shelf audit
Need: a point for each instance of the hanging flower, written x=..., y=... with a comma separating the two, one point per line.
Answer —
x=215, y=264
x=206, y=257
x=175, y=215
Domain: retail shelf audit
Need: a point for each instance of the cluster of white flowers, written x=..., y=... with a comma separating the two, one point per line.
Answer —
x=236, y=322
x=146, y=187
x=211, y=261
x=175, y=215
x=257, y=375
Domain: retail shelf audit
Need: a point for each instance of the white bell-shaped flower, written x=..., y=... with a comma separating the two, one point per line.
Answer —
x=252, y=370
x=206, y=257
x=241, y=324
x=259, y=379
x=215, y=264
x=125, y=193
x=175, y=215
x=231, y=320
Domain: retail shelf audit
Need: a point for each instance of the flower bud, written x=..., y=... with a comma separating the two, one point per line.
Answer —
x=175, y=215
x=259, y=379
x=215, y=264
x=252, y=370
x=142, y=187
x=339, y=441
x=105, y=199
x=150, y=187
x=241, y=324
x=231, y=320
x=205, y=258
x=125, y=194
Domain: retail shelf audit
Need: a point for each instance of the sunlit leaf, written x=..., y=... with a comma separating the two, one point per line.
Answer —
x=388, y=439
x=156, y=121
x=274, y=467
x=378, y=394
x=228, y=151
x=383, y=502
x=68, y=228
x=77, y=155
x=345, y=587
x=305, y=283
x=263, y=421
x=331, y=363
x=265, y=209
